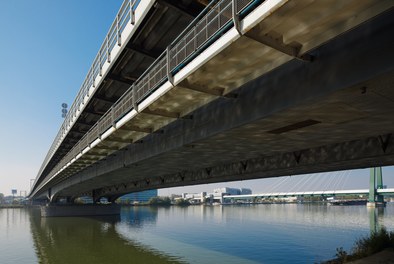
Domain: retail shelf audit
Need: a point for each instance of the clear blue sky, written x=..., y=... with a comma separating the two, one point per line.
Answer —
x=46, y=49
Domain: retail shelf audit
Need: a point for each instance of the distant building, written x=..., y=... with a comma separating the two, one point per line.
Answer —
x=216, y=196
x=138, y=197
x=197, y=197
x=231, y=191
x=227, y=191
x=246, y=191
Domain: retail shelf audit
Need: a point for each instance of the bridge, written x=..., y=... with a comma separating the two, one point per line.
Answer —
x=375, y=193
x=227, y=90
x=388, y=191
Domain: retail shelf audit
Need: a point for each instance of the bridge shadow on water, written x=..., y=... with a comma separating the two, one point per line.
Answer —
x=91, y=239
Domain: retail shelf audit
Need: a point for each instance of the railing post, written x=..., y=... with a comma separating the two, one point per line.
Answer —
x=113, y=117
x=118, y=35
x=169, y=74
x=108, y=52
x=195, y=37
x=219, y=16
x=93, y=84
x=100, y=66
x=132, y=14
x=236, y=17
x=134, y=97
x=87, y=92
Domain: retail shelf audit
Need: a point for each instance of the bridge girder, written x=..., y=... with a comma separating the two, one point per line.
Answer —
x=345, y=66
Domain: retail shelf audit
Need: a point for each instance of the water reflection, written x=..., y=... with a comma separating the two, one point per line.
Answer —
x=257, y=233
x=139, y=216
x=15, y=242
x=178, y=231
x=86, y=240
x=376, y=219
x=276, y=233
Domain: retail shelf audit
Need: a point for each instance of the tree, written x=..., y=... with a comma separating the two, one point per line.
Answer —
x=1, y=198
x=162, y=201
x=182, y=202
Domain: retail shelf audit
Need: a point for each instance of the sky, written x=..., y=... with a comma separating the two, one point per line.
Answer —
x=46, y=50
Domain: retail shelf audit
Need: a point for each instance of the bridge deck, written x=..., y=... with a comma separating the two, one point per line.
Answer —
x=214, y=74
x=389, y=191
x=119, y=62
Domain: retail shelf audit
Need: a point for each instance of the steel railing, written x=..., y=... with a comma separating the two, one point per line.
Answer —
x=201, y=34
x=113, y=37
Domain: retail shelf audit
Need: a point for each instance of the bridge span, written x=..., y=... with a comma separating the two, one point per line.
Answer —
x=389, y=191
x=249, y=89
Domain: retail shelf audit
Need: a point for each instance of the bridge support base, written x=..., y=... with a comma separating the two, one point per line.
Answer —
x=80, y=210
x=376, y=204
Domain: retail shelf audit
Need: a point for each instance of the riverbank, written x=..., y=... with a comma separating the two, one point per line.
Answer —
x=376, y=248
x=384, y=257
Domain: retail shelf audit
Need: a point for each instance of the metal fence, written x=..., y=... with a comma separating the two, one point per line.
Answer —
x=205, y=30
x=113, y=37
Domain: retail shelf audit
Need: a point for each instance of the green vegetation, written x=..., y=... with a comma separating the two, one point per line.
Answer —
x=160, y=201
x=366, y=246
x=182, y=202
x=1, y=198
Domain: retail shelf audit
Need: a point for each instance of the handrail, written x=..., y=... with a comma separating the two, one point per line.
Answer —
x=203, y=32
x=194, y=22
x=127, y=11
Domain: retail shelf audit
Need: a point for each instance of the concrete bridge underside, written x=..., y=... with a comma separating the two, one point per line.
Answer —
x=165, y=20
x=296, y=117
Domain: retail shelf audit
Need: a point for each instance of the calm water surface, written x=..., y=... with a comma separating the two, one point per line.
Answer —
x=276, y=233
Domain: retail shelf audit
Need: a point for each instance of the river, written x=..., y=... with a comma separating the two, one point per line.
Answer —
x=266, y=233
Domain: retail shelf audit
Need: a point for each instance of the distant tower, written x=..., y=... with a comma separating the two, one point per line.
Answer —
x=64, y=110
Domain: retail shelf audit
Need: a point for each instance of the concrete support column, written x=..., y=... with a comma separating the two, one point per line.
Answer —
x=95, y=196
x=112, y=199
x=379, y=184
x=375, y=182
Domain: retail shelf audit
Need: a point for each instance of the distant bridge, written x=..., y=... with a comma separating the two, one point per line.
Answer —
x=186, y=94
x=389, y=191
x=375, y=192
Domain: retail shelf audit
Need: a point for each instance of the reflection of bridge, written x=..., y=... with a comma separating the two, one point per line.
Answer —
x=250, y=89
x=75, y=240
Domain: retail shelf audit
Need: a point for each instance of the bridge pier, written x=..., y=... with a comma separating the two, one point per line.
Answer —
x=375, y=182
x=65, y=206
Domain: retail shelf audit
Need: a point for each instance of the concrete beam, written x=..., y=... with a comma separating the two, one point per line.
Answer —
x=275, y=41
x=194, y=87
x=137, y=49
x=161, y=112
x=136, y=129
x=80, y=122
x=91, y=153
x=122, y=79
x=181, y=11
x=346, y=155
x=94, y=113
x=119, y=140
x=342, y=63
x=105, y=99
x=106, y=147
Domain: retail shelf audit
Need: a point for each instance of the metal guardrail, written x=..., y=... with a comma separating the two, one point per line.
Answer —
x=113, y=37
x=210, y=27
